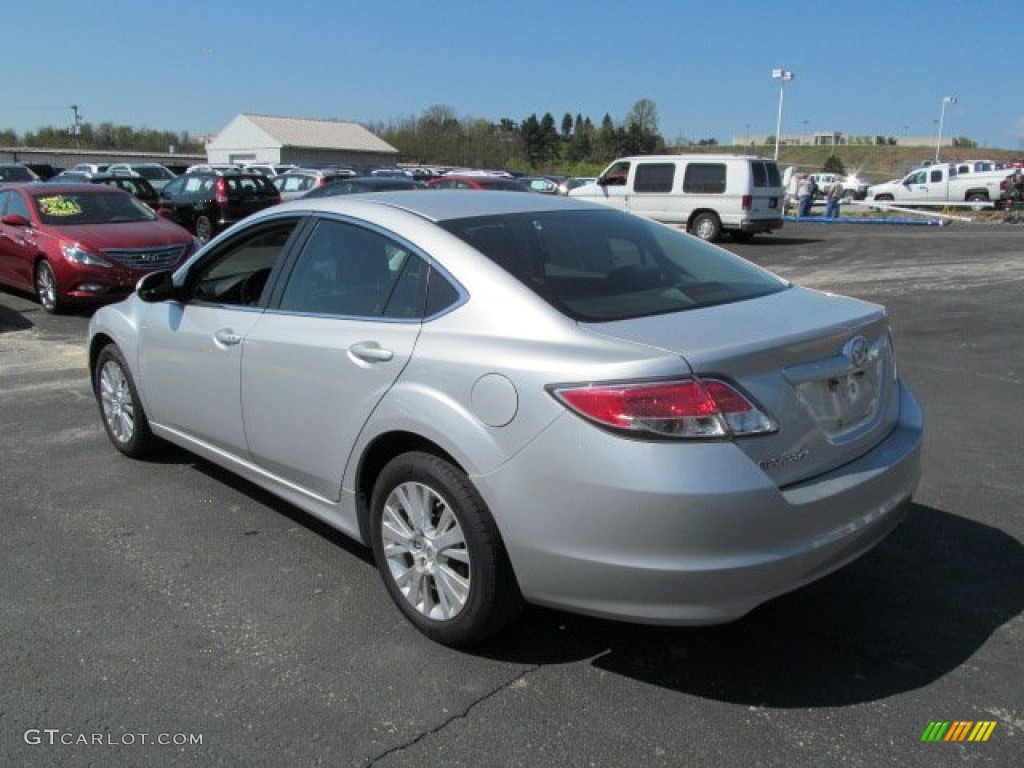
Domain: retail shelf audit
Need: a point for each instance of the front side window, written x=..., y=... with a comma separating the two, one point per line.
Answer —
x=654, y=177
x=349, y=271
x=617, y=174
x=238, y=273
x=704, y=178
x=606, y=265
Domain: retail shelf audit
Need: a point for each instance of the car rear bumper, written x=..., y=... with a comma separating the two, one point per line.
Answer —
x=760, y=225
x=673, y=533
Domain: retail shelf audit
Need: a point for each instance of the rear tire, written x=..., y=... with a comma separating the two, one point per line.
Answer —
x=706, y=226
x=439, y=552
x=977, y=197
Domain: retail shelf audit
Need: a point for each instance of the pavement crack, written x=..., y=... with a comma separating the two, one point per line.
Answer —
x=516, y=682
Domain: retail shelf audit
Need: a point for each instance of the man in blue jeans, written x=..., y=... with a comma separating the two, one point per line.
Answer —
x=805, y=194
x=832, y=198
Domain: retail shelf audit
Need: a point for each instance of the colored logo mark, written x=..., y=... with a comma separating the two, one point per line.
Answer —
x=958, y=730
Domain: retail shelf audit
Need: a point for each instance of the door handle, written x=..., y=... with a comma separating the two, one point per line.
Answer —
x=227, y=337
x=371, y=352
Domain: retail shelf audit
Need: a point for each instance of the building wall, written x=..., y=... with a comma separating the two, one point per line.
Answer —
x=318, y=157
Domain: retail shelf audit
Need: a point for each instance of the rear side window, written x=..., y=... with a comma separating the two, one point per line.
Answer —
x=704, y=178
x=349, y=271
x=654, y=177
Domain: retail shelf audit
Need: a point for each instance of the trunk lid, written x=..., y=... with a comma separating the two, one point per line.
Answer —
x=821, y=366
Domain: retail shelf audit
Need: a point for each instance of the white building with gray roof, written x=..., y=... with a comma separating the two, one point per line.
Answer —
x=303, y=142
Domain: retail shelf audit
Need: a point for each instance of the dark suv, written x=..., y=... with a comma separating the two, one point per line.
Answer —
x=206, y=203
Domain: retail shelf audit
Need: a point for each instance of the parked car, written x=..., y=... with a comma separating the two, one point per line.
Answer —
x=566, y=186
x=207, y=203
x=540, y=184
x=295, y=184
x=357, y=184
x=90, y=167
x=482, y=182
x=133, y=185
x=82, y=243
x=157, y=175
x=214, y=168
x=707, y=194
x=16, y=172
x=516, y=397
x=270, y=169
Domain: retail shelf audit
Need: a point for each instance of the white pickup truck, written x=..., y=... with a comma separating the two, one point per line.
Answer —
x=940, y=184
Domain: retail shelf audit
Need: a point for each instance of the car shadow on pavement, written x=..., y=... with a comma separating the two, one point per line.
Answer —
x=774, y=240
x=13, y=320
x=907, y=613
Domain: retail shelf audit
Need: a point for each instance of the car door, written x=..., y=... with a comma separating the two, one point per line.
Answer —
x=18, y=243
x=652, y=194
x=190, y=351
x=315, y=366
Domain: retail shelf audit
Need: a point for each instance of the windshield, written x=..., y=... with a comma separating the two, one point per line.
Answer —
x=606, y=265
x=100, y=207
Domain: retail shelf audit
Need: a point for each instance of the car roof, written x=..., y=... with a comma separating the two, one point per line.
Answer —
x=441, y=204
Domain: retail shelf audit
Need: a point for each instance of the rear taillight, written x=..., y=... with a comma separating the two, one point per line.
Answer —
x=747, y=202
x=220, y=192
x=690, y=408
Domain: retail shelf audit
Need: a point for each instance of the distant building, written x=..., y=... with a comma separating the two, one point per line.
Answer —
x=266, y=139
x=836, y=139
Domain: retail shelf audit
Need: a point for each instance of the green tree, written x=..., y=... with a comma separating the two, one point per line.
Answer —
x=834, y=165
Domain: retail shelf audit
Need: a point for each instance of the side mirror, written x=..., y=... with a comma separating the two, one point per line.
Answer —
x=157, y=286
x=16, y=220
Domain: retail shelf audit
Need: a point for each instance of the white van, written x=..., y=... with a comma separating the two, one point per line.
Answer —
x=740, y=194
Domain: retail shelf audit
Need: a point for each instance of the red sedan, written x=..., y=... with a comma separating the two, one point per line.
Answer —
x=82, y=243
x=477, y=182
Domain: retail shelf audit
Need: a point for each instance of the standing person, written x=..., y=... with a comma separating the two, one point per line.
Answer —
x=832, y=198
x=805, y=194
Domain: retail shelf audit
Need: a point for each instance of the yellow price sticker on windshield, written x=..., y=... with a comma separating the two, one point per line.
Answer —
x=59, y=206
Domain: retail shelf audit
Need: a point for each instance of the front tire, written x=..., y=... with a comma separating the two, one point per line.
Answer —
x=47, y=290
x=123, y=417
x=706, y=226
x=439, y=552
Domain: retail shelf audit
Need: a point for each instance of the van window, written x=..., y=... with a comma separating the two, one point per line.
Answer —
x=706, y=178
x=765, y=174
x=654, y=177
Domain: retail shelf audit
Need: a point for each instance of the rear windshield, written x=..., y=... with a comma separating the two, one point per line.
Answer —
x=253, y=184
x=598, y=266
x=100, y=207
x=16, y=173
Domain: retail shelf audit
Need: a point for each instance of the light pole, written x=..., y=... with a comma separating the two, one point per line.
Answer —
x=942, y=116
x=784, y=76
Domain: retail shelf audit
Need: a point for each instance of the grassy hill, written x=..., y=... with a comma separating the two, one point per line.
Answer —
x=874, y=163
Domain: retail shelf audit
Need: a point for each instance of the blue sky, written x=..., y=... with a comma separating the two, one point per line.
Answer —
x=861, y=66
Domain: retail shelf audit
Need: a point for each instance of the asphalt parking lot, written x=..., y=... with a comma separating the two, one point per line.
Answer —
x=166, y=601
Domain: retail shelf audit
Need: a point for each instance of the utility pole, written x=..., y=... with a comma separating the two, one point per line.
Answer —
x=76, y=129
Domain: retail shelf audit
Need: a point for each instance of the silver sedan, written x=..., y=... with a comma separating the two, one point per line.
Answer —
x=524, y=399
